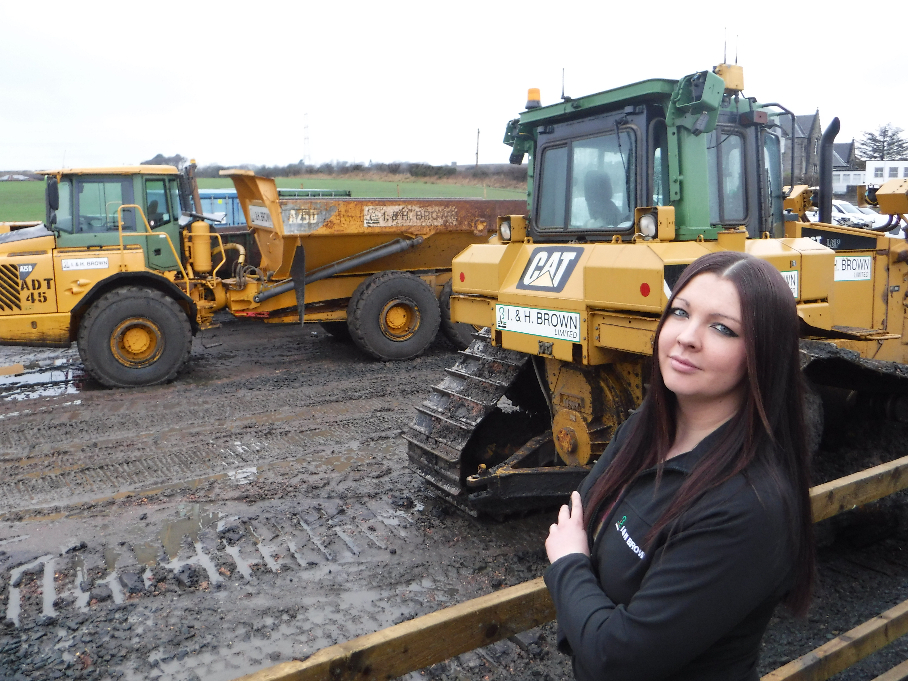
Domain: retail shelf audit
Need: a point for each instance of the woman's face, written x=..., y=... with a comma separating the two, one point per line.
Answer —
x=701, y=349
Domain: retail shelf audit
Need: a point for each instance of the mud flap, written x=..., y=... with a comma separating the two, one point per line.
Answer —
x=298, y=276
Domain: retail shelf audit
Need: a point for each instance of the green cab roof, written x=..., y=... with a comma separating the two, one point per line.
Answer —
x=653, y=89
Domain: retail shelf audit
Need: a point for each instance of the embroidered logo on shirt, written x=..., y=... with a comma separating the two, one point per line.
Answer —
x=631, y=544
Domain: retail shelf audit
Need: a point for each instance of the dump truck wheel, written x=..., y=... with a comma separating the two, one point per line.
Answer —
x=338, y=330
x=134, y=336
x=460, y=334
x=393, y=315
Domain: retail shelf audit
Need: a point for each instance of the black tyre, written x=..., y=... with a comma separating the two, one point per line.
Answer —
x=134, y=336
x=338, y=330
x=460, y=334
x=393, y=315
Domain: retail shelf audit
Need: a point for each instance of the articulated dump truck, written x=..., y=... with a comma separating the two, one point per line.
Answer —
x=127, y=266
x=626, y=188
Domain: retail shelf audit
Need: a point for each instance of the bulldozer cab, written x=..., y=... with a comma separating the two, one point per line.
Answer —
x=92, y=207
x=691, y=144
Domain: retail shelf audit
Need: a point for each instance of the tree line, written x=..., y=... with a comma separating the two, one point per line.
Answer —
x=886, y=143
x=341, y=168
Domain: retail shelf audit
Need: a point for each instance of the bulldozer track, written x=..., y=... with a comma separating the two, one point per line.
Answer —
x=439, y=435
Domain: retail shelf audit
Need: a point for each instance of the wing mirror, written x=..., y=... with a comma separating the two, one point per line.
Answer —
x=52, y=196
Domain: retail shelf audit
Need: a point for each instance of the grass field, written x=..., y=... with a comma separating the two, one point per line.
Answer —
x=21, y=201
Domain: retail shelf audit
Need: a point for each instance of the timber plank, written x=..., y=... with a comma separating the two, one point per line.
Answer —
x=847, y=649
x=843, y=494
x=423, y=641
x=897, y=673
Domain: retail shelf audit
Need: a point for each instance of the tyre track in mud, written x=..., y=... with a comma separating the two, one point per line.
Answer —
x=114, y=441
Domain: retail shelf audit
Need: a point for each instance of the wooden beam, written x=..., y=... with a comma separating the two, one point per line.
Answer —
x=837, y=496
x=424, y=641
x=847, y=649
x=898, y=673
x=432, y=638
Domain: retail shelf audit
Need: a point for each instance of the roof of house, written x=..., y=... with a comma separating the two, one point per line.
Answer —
x=803, y=124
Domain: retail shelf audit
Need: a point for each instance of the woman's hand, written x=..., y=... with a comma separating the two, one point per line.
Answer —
x=568, y=535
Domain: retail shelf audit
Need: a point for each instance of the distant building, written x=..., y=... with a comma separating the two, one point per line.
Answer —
x=879, y=172
x=847, y=168
x=805, y=140
x=15, y=177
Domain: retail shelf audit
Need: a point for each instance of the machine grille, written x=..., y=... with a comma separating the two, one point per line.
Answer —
x=9, y=288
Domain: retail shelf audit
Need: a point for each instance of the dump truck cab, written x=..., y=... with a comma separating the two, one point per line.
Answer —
x=92, y=203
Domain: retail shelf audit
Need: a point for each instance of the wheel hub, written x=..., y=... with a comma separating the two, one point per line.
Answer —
x=572, y=437
x=136, y=342
x=399, y=319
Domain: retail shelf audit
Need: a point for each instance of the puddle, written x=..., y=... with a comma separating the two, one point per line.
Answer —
x=110, y=558
x=61, y=378
x=243, y=476
x=342, y=458
x=191, y=522
x=146, y=553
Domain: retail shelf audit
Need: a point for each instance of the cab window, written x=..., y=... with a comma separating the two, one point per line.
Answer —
x=552, y=188
x=156, y=208
x=725, y=168
x=659, y=145
x=175, y=199
x=772, y=158
x=65, y=211
x=589, y=184
x=98, y=204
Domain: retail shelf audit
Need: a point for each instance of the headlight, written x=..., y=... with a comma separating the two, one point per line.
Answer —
x=505, y=230
x=648, y=225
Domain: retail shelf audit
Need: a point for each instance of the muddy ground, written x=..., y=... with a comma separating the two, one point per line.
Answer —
x=261, y=507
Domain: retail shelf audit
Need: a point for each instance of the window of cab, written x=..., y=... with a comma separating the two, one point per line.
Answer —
x=97, y=204
x=156, y=209
x=589, y=184
x=64, y=214
x=725, y=170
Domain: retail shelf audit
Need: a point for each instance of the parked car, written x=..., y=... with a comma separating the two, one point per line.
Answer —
x=848, y=215
x=845, y=214
x=880, y=220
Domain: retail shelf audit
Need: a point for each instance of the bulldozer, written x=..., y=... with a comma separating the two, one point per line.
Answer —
x=126, y=265
x=626, y=188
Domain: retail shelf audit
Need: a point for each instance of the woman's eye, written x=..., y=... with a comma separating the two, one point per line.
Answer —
x=724, y=330
x=678, y=312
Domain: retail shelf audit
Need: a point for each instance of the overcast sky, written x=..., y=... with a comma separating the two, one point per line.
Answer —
x=100, y=83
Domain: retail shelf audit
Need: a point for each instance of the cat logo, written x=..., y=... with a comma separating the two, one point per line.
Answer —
x=549, y=268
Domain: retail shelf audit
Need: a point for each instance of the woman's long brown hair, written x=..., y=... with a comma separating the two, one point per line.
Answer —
x=767, y=432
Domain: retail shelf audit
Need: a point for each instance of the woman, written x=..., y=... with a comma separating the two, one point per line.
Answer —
x=695, y=522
